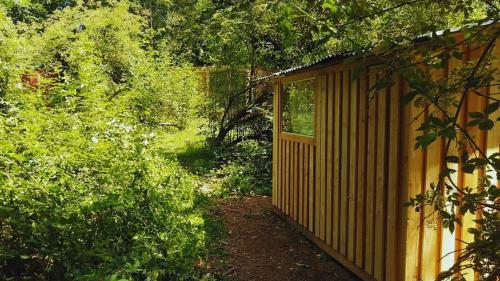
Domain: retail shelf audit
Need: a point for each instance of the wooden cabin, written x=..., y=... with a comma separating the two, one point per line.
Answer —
x=344, y=164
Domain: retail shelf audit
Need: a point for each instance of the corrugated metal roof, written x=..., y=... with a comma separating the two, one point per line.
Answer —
x=327, y=59
x=457, y=29
x=317, y=63
x=336, y=56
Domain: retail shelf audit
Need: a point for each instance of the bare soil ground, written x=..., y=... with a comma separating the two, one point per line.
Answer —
x=261, y=246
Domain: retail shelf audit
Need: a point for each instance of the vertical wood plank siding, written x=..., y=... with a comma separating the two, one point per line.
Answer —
x=345, y=187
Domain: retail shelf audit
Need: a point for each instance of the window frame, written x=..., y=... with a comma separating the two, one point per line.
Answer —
x=309, y=139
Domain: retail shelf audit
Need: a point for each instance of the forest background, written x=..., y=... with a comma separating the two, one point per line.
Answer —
x=109, y=133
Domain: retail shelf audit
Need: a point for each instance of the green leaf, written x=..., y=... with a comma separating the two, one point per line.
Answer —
x=486, y=125
x=476, y=115
x=424, y=126
x=5, y=211
x=474, y=231
x=443, y=214
x=448, y=132
x=492, y=107
x=425, y=140
x=494, y=155
x=446, y=172
x=409, y=97
x=383, y=84
x=332, y=7
x=478, y=161
x=468, y=168
x=435, y=121
x=473, y=123
x=493, y=192
x=463, y=209
x=356, y=73
x=452, y=159
x=458, y=55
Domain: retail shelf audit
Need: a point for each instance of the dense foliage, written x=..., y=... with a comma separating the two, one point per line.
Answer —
x=86, y=193
x=91, y=91
x=245, y=169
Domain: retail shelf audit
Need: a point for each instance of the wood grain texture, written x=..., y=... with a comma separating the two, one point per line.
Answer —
x=391, y=257
x=345, y=187
x=287, y=177
x=431, y=245
x=361, y=180
x=370, y=176
x=305, y=192
x=353, y=172
x=317, y=163
x=380, y=184
x=312, y=186
x=336, y=160
x=411, y=177
x=344, y=165
x=300, y=185
x=448, y=240
x=329, y=156
x=322, y=158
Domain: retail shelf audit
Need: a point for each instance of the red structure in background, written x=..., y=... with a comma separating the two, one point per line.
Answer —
x=34, y=80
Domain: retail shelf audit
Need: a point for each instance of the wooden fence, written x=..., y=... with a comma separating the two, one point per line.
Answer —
x=345, y=187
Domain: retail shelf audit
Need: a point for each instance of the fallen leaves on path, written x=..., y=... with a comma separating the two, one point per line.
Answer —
x=261, y=246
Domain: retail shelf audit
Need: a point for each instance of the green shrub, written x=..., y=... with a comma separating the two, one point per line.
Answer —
x=246, y=168
x=198, y=158
x=113, y=214
x=86, y=193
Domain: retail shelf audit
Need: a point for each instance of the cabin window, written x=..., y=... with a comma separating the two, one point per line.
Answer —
x=297, y=107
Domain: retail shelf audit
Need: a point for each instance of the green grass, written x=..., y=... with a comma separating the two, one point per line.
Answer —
x=189, y=148
x=239, y=176
x=178, y=140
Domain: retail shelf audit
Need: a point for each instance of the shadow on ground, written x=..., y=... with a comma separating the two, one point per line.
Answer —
x=261, y=246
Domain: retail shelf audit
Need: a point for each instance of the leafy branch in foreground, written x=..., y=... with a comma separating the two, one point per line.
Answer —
x=442, y=101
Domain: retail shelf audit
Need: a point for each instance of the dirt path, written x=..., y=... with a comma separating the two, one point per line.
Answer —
x=261, y=246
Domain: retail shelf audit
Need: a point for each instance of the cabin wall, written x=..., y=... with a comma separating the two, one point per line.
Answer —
x=345, y=187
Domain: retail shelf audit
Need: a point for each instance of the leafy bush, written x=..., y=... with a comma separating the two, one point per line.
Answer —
x=8, y=47
x=198, y=157
x=113, y=211
x=246, y=168
x=85, y=190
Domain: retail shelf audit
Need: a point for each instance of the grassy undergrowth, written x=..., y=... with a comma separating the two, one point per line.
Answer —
x=236, y=171
x=219, y=174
